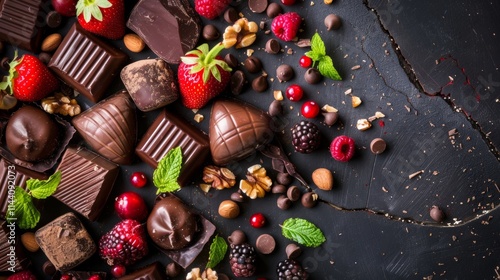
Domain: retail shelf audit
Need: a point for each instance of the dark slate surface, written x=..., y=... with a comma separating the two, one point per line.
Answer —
x=376, y=219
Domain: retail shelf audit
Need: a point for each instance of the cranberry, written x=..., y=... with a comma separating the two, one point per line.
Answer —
x=66, y=8
x=257, y=220
x=288, y=2
x=95, y=277
x=130, y=205
x=65, y=277
x=138, y=179
x=310, y=109
x=342, y=148
x=305, y=61
x=118, y=270
x=294, y=92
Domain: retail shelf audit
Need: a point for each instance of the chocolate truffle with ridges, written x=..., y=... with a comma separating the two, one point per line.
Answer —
x=151, y=84
x=169, y=28
x=237, y=130
x=65, y=242
x=110, y=127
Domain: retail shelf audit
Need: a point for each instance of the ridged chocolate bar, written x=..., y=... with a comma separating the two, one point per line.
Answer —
x=11, y=260
x=86, y=182
x=87, y=63
x=20, y=23
x=151, y=272
x=169, y=131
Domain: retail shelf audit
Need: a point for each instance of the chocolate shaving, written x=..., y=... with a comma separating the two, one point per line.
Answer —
x=281, y=163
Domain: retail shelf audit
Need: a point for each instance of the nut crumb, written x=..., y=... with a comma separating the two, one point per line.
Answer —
x=415, y=174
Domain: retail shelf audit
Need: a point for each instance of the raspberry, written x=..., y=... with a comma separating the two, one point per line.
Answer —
x=211, y=9
x=242, y=260
x=305, y=137
x=291, y=270
x=342, y=148
x=23, y=275
x=124, y=244
x=285, y=26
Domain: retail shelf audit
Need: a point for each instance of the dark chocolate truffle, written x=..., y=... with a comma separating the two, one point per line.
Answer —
x=31, y=135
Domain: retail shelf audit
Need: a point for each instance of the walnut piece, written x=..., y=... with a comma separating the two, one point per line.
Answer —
x=196, y=274
x=219, y=177
x=257, y=182
x=61, y=104
x=241, y=34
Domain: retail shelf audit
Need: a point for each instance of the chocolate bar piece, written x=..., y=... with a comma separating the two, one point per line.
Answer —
x=87, y=63
x=14, y=176
x=12, y=257
x=169, y=131
x=151, y=272
x=65, y=242
x=80, y=275
x=20, y=23
x=169, y=28
x=87, y=181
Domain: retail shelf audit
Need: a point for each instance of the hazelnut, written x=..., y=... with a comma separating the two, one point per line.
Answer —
x=29, y=242
x=229, y=209
x=323, y=178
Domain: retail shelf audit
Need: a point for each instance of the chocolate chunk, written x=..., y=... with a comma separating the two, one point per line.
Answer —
x=238, y=82
x=65, y=242
x=11, y=259
x=273, y=46
x=283, y=202
x=309, y=199
x=231, y=60
x=86, y=63
x=45, y=57
x=437, y=214
x=231, y=15
x=210, y=32
x=275, y=108
x=48, y=268
x=312, y=76
x=332, y=21
x=257, y=6
x=284, y=72
x=265, y=244
x=293, y=193
x=173, y=269
x=252, y=64
x=237, y=197
x=260, y=84
x=53, y=19
x=169, y=28
x=169, y=131
x=20, y=23
x=87, y=181
x=237, y=237
x=151, y=83
x=237, y=130
x=152, y=272
x=378, y=146
x=293, y=251
x=273, y=9
x=330, y=118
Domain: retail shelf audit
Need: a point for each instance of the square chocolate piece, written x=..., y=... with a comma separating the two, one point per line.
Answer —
x=87, y=180
x=65, y=242
x=169, y=131
x=12, y=256
x=87, y=63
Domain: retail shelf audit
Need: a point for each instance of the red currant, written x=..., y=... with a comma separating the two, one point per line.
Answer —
x=118, y=270
x=342, y=148
x=95, y=277
x=130, y=205
x=305, y=61
x=294, y=92
x=257, y=220
x=138, y=179
x=65, y=277
x=310, y=109
x=288, y=2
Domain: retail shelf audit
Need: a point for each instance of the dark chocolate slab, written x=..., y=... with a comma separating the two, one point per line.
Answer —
x=12, y=257
x=86, y=182
x=154, y=271
x=87, y=63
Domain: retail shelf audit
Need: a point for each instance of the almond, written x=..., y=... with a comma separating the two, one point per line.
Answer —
x=51, y=42
x=134, y=43
x=29, y=242
x=323, y=178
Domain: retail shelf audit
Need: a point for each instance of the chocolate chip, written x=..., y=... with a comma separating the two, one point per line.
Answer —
x=284, y=72
x=437, y=214
x=377, y=146
x=293, y=251
x=273, y=46
x=237, y=197
x=231, y=15
x=275, y=108
x=44, y=57
x=278, y=189
x=330, y=118
x=257, y=6
x=252, y=64
x=293, y=193
x=283, y=202
x=333, y=21
x=260, y=84
x=312, y=76
x=210, y=32
x=265, y=244
x=309, y=199
x=173, y=269
x=53, y=19
x=273, y=10
x=237, y=237
x=284, y=178
x=231, y=60
x=237, y=82
x=48, y=268
x=4, y=63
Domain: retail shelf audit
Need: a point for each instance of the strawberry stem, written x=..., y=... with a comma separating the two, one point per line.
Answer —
x=203, y=58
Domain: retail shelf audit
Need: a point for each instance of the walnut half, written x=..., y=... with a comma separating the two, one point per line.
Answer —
x=219, y=177
x=61, y=104
x=196, y=274
x=257, y=182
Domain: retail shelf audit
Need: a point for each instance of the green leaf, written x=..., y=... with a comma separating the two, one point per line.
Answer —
x=314, y=56
x=218, y=250
x=327, y=69
x=92, y=9
x=42, y=189
x=303, y=232
x=25, y=211
x=168, y=170
x=215, y=72
x=317, y=45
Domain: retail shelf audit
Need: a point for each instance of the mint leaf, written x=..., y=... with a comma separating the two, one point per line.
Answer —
x=168, y=170
x=303, y=232
x=317, y=45
x=42, y=189
x=25, y=211
x=218, y=250
x=314, y=56
x=327, y=69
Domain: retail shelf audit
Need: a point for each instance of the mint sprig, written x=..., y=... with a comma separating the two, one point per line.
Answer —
x=319, y=56
x=303, y=232
x=168, y=170
x=218, y=250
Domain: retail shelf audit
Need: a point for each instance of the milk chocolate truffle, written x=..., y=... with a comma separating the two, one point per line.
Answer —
x=31, y=135
x=171, y=224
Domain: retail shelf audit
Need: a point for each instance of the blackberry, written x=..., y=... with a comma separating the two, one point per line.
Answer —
x=242, y=260
x=291, y=270
x=305, y=137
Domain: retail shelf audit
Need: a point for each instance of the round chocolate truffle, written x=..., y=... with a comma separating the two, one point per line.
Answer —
x=31, y=134
x=171, y=225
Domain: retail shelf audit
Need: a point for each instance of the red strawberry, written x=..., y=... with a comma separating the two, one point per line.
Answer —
x=285, y=26
x=23, y=275
x=29, y=79
x=211, y=8
x=102, y=17
x=124, y=244
x=202, y=76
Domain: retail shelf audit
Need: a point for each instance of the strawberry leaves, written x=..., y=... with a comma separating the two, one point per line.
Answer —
x=205, y=59
x=319, y=56
x=92, y=8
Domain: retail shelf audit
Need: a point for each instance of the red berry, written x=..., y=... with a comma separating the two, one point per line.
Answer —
x=294, y=92
x=66, y=277
x=130, y=205
x=305, y=61
x=22, y=275
x=257, y=220
x=285, y=26
x=288, y=2
x=66, y=8
x=310, y=109
x=124, y=244
x=95, y=277
x=138, y=179
x=211, y=9
x=342, y=148
x=118, y=270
